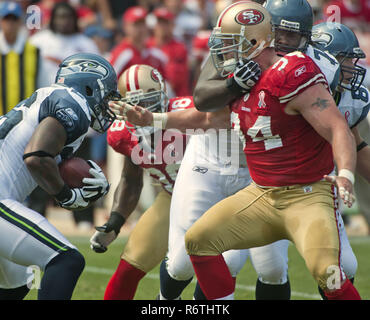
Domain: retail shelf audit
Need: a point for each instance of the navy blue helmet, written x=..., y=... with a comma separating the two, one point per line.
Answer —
x=94, y=78
x=293, y=16
x=341, y=42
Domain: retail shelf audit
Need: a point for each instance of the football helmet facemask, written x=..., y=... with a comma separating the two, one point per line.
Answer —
x=291, y=17
x=95, y=79
x=144, y=86
x=243, y=30
x=341, y=42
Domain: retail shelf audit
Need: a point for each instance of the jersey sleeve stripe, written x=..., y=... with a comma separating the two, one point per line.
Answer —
x=319, y=78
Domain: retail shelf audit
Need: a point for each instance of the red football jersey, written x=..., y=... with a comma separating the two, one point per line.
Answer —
x=176, y=69
x=282, y=149
x=163, y=162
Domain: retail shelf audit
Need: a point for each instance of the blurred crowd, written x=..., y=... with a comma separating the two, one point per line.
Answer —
x=171, y=35
x=168, y=34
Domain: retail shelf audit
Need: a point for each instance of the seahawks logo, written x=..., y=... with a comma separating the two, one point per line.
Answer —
x=322, y=38
x=88, y=67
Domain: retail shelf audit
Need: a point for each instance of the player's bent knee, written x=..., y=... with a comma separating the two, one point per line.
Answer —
x=273, y=274
x=197, y=243
x=325, y=272
x=71, y=260
x=180, y=269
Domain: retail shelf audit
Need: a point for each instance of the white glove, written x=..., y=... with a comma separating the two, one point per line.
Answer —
x=78, y=200
x=107, y=233
x=81, y=198
x=100, y=241
x=95, y=187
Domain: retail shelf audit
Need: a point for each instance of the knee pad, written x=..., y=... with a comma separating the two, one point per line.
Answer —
x=180, y=268
x=271, y=262
x=235, y=260
x=273, y=274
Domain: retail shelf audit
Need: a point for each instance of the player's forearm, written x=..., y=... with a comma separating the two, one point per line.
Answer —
x=126, y=197
x=344, y=147
x=211, y=92
x=363, y=163
x=212, y=95
x=194, y=119
x=44, y=170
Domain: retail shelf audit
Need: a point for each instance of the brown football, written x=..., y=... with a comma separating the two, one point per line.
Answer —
x=73, y=171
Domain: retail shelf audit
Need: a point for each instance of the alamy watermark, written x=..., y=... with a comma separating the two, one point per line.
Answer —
x=220, y=146
x=34, y=277
x=33, y=17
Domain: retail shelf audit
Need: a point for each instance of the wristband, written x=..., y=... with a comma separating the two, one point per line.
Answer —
x=116, y=220
x=159, y=120
x=362, y=145
x=64, y=194
x=347, y=174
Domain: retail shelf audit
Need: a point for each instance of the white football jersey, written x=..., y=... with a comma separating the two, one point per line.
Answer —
x=17, y=126
x=353, y=105
x=327, y=63
x=217, y=150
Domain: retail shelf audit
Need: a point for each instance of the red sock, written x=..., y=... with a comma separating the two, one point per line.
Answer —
x=123, y=284
x=213, y=276
x=346, y=292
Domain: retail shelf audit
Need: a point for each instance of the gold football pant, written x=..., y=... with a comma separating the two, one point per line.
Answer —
x=148, y=242
x=253, y=217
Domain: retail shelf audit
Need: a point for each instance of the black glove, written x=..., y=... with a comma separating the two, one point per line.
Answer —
x=107, y=233
x=245, y=76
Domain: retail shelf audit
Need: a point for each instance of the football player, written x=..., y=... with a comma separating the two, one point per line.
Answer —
x=143, y=86
x=292, y=23
x=269, y=261
x=34, y=136
x=351, y=97
x=292, y=132
x=159, y=154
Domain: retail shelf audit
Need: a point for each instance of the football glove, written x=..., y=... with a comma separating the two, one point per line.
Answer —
x=107, y=233
x=97, y=186
x=245, y=76
x=93, y=189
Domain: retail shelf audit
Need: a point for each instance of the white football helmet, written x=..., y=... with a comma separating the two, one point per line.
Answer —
x=243, y=30
x=144, y=86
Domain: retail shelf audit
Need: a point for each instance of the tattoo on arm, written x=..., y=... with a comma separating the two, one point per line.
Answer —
x=322, y=104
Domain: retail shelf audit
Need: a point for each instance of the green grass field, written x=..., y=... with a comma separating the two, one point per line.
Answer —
x=100, y=267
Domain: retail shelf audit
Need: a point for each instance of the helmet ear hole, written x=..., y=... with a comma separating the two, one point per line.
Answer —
x=89, y=91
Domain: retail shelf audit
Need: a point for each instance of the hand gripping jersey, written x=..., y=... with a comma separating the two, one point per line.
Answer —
x=353, y=105
x=282, y=149
x=17, y=126
x=163, y=162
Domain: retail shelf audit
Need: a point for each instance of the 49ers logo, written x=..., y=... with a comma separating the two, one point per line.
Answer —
x=249, y=17
x=155, y=75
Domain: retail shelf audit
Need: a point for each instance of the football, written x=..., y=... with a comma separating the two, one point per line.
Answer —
x=73, y=171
